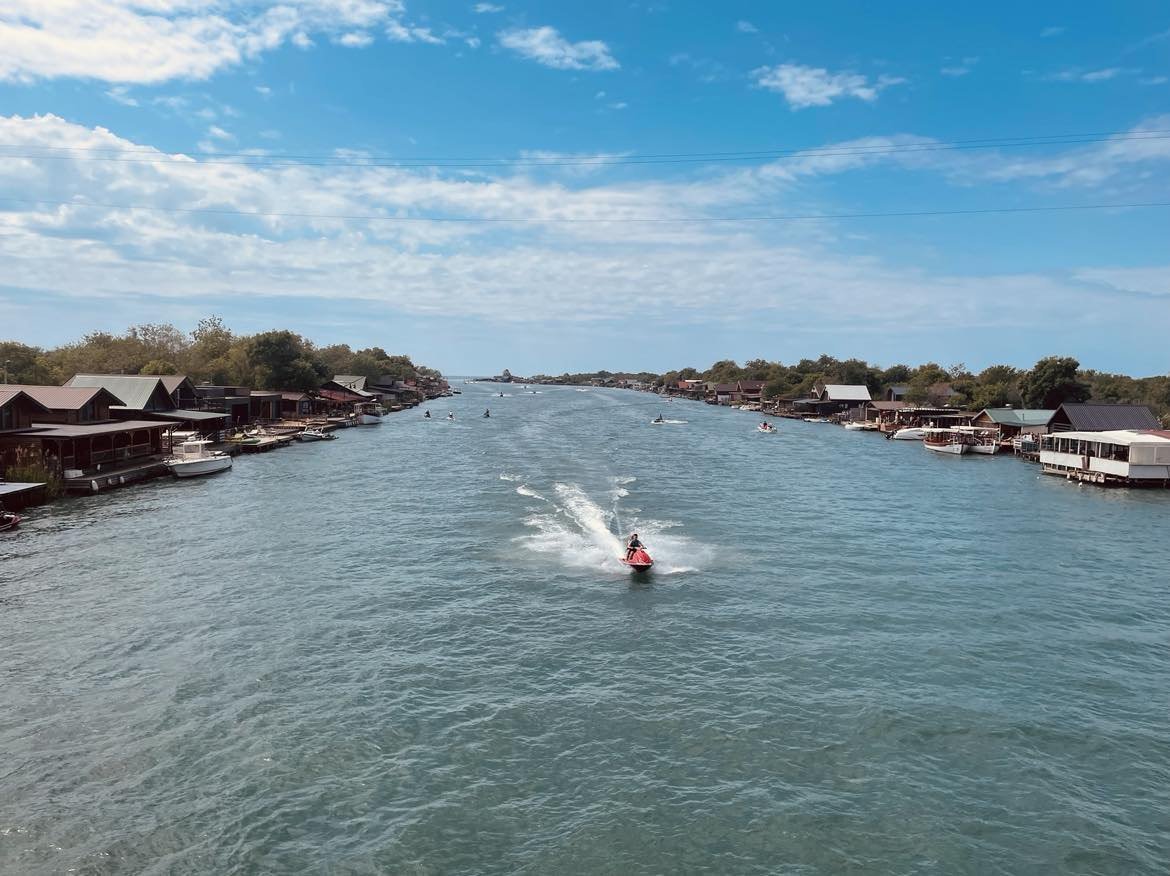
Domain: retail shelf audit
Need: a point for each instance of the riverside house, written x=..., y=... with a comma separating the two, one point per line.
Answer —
x=1014, y=422
x=1101, y=417
x=1138, y=457
x=826, y=399
x=147, y=397
x=74, y=435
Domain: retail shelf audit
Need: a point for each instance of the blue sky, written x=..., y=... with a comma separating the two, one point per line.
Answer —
x=342, y=167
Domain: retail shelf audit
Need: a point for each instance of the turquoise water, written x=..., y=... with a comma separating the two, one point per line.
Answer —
x=412, y=650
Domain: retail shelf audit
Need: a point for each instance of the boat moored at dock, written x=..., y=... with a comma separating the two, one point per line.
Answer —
x=194, y=457
x=952, y=441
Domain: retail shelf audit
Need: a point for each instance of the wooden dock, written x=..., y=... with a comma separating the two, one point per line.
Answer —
x=112, y=477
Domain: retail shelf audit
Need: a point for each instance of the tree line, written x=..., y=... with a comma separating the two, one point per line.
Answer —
x=211, y=353
x=1050, y=382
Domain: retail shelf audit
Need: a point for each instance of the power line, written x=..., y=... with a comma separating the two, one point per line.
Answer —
x=249, y=159
x=472, y=220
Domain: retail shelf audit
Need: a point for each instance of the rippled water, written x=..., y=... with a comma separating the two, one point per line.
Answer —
x=412, y=650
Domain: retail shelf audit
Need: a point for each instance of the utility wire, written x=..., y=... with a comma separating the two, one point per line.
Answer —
x=248, y=159
x=472, y=220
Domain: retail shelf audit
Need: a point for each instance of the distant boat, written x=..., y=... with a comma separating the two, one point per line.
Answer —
x=195, y=458
x=368, y=413
x=856, y=427
x=910, y=433
x=766, y=428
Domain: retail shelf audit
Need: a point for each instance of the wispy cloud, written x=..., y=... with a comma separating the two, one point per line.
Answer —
x=487, y=8
x=746, y=27
x=814, y=86
x=1054, y=30
x=120, y=94
x=1077, y=75
x=357, y=39
x=546, y=46
x=960, y=69
x=406, y=33
x=152, y=41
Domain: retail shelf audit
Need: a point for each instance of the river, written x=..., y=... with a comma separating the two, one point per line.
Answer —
x=412, y=651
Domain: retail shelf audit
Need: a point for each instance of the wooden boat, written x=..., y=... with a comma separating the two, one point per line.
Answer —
x=950, y=441
x=9, y=520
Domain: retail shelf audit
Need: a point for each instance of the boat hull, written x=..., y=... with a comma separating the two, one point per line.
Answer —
x=369, y=420
x=909, y=434
x=952, y=449
x=197, y=467
x=985, y=449
x=639, y=562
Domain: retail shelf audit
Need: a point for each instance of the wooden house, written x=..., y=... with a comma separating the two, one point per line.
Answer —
x=1014, y=422
x=146, y=397
x=1101, y=417
x=17, y=409
x=71, y=405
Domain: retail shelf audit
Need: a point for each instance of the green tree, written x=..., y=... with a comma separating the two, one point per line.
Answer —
x=25, y=364
x=159, y=366
x=284, y=360
x=1054, y=381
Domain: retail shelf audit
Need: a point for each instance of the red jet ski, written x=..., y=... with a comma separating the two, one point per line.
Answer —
x=639, y=561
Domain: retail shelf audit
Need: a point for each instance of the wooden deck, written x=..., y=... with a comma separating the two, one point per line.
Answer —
x=112, y=477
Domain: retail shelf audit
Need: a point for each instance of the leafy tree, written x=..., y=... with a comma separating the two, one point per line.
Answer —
x=1054, y=381
x=25, y=364
x=159, y=366
x=284, y=360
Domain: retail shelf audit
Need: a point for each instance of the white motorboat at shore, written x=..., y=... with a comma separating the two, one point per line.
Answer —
x=856, y=427
x=315, y=433
x=909, y=433
x=194, y=457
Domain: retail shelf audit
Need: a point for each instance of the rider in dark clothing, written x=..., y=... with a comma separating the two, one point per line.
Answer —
x=633, y=545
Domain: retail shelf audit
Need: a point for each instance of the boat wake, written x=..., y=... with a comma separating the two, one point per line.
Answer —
x=578, y=532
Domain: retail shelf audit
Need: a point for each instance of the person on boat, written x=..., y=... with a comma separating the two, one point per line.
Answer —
x=488, y=412
x=450, y=415
x=427, y=415
x=633, y=545
x=658, y=419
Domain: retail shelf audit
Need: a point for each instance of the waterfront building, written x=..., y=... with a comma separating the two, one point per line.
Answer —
x=147, y=397
x=1014, y=422
x=826, y=399
x=1139, y=457
x=264, y=405
x=234, y=402
x=1101, y=417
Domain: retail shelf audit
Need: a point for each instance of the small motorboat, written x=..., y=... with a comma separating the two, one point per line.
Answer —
x=315, y=433
x=910, y=433
x=639, y=561
x=9, y=520
x=766, y=428
x=657, y=421
x=856, y=427
x=193, y=458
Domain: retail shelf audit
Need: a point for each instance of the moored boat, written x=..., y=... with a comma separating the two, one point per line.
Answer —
x=951, y=441
x=368, y=413
x=9, y=520
x=194, y=457
x=909, y=433
x=315, y=433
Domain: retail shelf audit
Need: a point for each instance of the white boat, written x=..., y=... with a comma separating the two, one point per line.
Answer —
x=767, y=430
x=856, y=427
x=910, y=433
x=983, y=441
x=816, y=420
x=950, y=441
x=368, y=413
x=194, y=457
x=315, y=433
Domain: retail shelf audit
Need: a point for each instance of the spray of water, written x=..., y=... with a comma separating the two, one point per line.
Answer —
x=578, y=532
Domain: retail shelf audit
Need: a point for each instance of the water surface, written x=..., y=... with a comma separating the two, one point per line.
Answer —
x=412, y=650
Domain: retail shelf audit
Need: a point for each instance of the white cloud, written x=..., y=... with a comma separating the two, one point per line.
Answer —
x=357, y=39
x=546, y=46
x=1078, y=75
x=485, y=8
x=1051, y=32
x=814, y=86
x=618, y=105
x=960, y=69
x=152, y=41
x=120, y=94
x=263, y=90
x=405, y=33
x=746, y=27
x=132, y=256
x=473, y=42
x=1154, y=80
x=218, y=133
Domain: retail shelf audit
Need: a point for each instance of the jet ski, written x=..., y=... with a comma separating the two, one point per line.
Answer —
x=639, y=561
x=766, y=428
